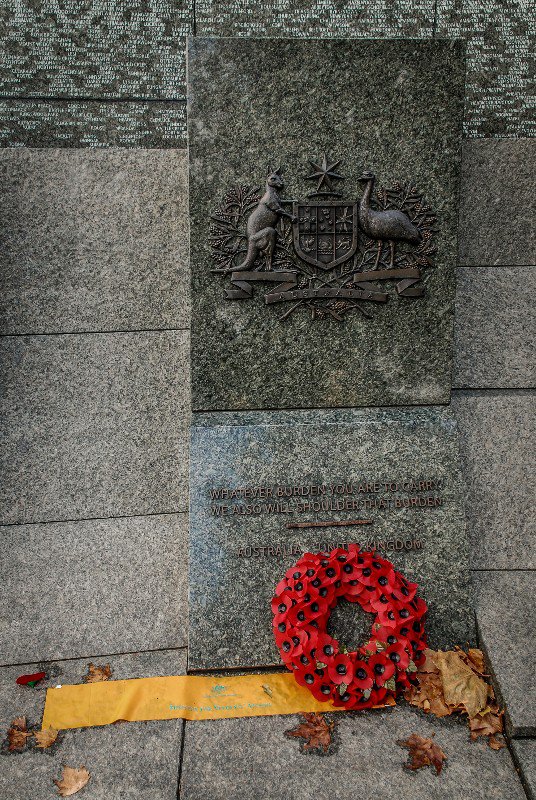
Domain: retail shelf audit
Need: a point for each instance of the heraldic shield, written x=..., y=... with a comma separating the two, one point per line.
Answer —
x=325, y=233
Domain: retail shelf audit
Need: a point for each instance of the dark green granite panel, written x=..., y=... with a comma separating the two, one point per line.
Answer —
x=81, y=123
x=363, y=18
x=95, y=48
x=501, y=43
x=390, y=106
x=230, y=617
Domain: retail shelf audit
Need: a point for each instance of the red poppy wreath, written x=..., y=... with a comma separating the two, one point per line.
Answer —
x=302, y=604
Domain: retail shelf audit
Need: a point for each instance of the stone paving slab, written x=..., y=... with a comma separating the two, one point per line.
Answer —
x=493, y=345
x=133, y=760
x=95, y=425
x=92, y=123
x=95, y=49
x=498, y=446
x=251, y=759
x=507, y=627
x=500, y=45
x=93, y=240
x=497, y=219
x=109, y=586
x=524, y=751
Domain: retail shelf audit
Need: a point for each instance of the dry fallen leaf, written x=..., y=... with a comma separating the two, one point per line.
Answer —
x=476, y=659
x=96, y=674
x=423, y=752
x=72, y=781
x=487, y=723
x=17, y=735
x=495, y=743
x=462, y=688
x=427, y=694
x=315, y=730
x=44, y=739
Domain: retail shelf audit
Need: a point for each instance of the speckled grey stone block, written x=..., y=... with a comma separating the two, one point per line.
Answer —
x=498, y=447
x=251, y=759
x=507, y=629
x=75, y=588
x=93, y=240
x=501, y=37
x=95, y=425
x=86, y=123
x=247, y=107
x=497, y=208
x=230, y=593
x=524, y=751
x=135, y=759
x=116, y=48
x=494, y=322
x=315, y=18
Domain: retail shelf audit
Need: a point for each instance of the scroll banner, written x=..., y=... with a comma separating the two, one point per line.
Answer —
x=190, y=697
x=363, y=289
x=405, y=287
x=244, y=290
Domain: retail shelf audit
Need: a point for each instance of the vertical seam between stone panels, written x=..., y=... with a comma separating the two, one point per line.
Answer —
x=519, y=768
x=434, y=28
x=181, y=754
x=194, y=19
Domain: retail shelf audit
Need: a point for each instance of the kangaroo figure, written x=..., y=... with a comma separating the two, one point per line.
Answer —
x=260, y=229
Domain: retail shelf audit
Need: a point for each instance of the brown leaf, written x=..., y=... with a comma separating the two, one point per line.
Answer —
x=315, y=730
x=495, y=743
x=17, y=735
x=44, y=739
x=476, y=657
x=462, y=688
x=423, y=752
x=427, y=694
x=72, y=781
x=428, y=664
x=487, y=723
x=96, y=674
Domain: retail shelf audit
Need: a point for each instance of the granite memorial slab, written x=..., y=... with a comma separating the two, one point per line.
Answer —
x=323, y=209
x=267, y=486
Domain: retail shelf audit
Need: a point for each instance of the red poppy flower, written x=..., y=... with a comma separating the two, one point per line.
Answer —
x=363, y=677
x=326, y=647
x=398, y=655
x=341, y=669
x=382, y=668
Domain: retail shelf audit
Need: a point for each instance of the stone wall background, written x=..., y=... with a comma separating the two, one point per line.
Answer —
x=94, y=317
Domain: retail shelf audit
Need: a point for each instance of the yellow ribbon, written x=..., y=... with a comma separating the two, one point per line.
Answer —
x=177, y=697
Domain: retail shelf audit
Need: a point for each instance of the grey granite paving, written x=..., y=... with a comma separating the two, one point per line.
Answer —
x=315, y=18
x=75, y=588
x=497, y=206
x=230, y=586
x=93, y=240
x=95, y=425
x=524, y=751
x=241, y=114
x=498, y=446
x=87, y=123
x=494, y=345
x=132, y=760
x=251, y=759
x=116, y=49
x=500, y=69
x=507, y=627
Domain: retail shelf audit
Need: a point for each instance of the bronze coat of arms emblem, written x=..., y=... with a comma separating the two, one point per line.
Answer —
x=325, y=255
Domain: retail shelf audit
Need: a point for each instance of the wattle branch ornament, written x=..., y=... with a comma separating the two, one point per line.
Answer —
x=302, y=605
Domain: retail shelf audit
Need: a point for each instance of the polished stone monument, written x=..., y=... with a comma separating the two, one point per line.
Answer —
x=323, y=206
